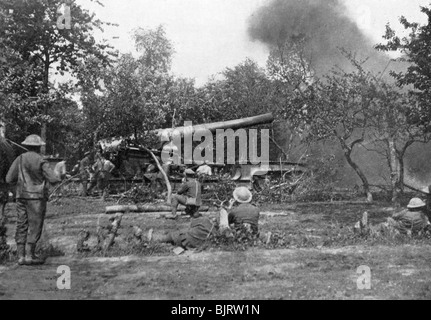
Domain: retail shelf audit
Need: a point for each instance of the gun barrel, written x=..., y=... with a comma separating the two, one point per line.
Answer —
x=232, y=124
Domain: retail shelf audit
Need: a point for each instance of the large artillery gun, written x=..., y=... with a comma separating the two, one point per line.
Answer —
x=134, y=163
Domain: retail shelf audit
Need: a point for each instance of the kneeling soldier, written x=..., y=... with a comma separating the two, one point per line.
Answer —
x=189, y=195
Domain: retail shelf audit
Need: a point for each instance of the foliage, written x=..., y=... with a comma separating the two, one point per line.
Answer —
x=134, y=95
x=339, y=109
x=415, y=49
x=139, y=193
x=35, y=44
x=155, y=48
x=232, y=240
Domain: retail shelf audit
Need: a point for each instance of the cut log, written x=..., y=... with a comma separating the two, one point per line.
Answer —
x=146, y=208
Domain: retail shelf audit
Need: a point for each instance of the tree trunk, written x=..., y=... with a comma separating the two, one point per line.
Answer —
x=394, y=167
x=43, y=131
x=2, y=130
x=96, y=137
x=165, y=177
x=357, y=169
x=43, y=136
x=401, y=172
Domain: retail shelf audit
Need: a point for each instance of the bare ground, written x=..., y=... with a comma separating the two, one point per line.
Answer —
x=318, y=259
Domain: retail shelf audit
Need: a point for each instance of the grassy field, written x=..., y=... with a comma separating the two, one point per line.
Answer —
x=313, y=254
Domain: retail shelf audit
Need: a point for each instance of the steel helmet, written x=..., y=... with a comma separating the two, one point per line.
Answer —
x=416, y=203
x=242, y=195
x=33, y=141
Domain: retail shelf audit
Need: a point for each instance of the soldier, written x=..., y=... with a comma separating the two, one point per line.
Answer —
x=204, y=171
x=103, y=169
x=244, y=215
x=84, y=172
x=30, y=172
x=93, y=174
x=189, y=194
x=193, y=237
x=412, y=220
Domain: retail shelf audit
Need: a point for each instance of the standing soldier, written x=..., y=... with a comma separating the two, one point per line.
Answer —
x=84, y=172
x=102, y=170
x=30, y=172
x=94, y=174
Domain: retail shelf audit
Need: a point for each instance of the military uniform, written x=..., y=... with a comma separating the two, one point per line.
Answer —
x=103, y=168
x=198, y=232
x=189, y=194
x=245, y=213
x=102, y=174
x=413, y=221
x=30, y=172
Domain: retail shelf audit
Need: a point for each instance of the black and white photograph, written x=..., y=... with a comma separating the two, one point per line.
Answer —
x=215, y=155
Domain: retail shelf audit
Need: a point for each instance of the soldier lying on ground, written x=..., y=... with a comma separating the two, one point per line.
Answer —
x=412, y=220
x=244, y=215
x=193, y=237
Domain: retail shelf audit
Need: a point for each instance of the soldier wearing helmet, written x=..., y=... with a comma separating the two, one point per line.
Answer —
x=411, y=220
x=189, y=194
x=244, y=214
x=31, y=175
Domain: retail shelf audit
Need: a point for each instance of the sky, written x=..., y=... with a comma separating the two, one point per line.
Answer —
x=211, y=35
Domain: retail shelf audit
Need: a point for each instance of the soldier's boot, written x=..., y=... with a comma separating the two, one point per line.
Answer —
x=32, y=258
x=21, y=254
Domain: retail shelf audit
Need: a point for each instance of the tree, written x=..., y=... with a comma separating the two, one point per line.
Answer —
x=33, y=31
x=416, y=51
x=291, y=74
x=155, y=49
x=133, y=95
x=393, y=130
x=413, y=109
x=339, y=109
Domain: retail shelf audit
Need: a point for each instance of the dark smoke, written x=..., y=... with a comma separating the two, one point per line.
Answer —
x=325, y=25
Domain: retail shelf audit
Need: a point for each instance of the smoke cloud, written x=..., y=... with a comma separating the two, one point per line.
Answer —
x=325, y=25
